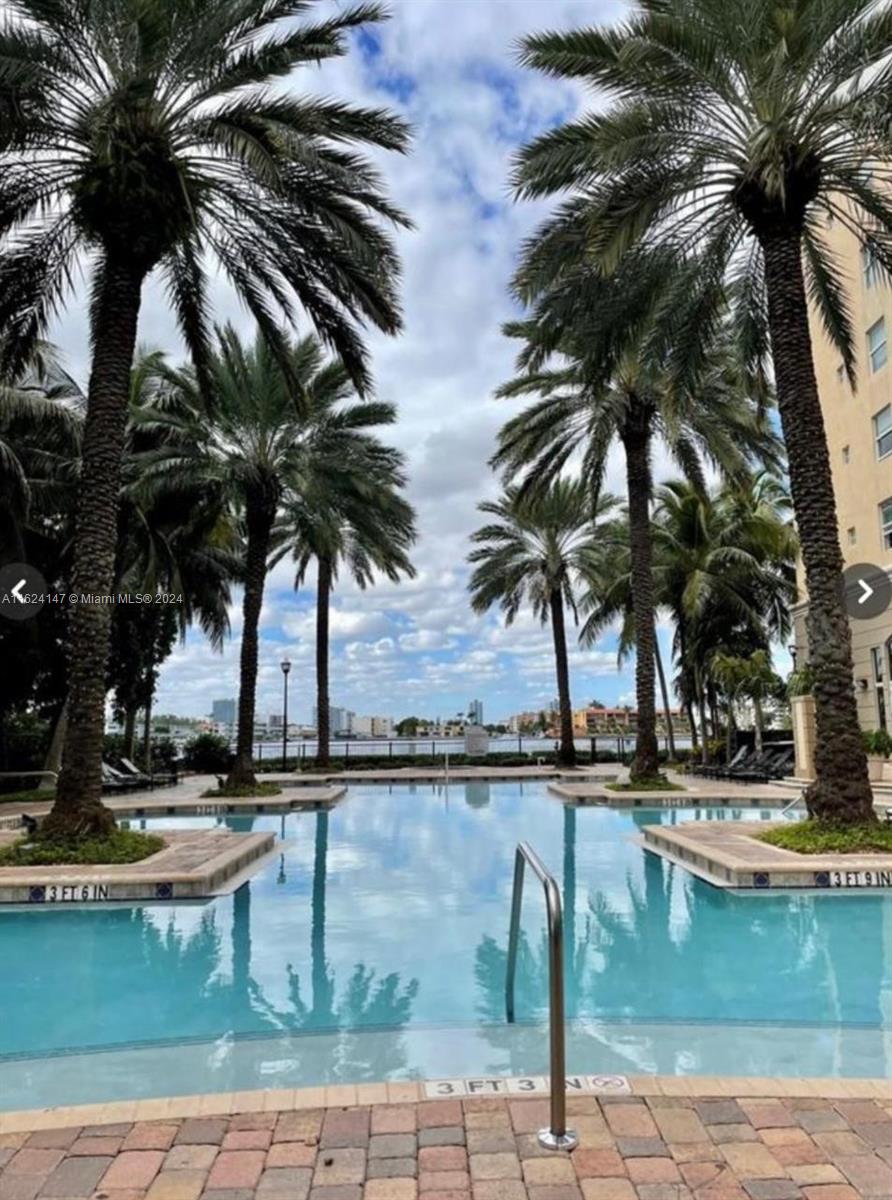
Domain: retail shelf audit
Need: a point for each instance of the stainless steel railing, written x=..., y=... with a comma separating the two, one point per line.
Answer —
x=557, y=1136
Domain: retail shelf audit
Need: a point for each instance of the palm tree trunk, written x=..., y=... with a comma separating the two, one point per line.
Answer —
x=701, y=711
x=147, y=736
x=714, y=721
x=260, y=513
x=664, y=692
x=567, y=751
x=53, y=759
x=130, y=730
x=841, y=790
x=78, y=810
x=686, y=681
x=323, y=711
x=692, y=725
x=758, y=722
x=636, y=442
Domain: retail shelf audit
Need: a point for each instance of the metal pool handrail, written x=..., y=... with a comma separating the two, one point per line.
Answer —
x=557, y=1136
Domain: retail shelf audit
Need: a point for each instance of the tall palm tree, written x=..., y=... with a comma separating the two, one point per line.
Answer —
x=743, y=130
x=609, y=599
x=534, y=551
x=358, y=521
x=613, y=379
x=261, y=434
x=143, y=136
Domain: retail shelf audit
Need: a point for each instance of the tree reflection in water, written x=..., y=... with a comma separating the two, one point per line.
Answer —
x=367, y=1003
x=665, y=950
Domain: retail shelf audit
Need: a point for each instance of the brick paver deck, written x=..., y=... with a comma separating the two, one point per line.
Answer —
x=655, y=1147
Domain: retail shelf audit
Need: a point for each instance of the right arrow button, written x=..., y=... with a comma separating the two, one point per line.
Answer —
x=867, y=591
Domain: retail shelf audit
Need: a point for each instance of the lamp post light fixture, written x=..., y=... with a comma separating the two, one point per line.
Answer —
x=286, y=667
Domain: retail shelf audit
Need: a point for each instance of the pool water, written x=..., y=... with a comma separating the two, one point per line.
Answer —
x=373, y=946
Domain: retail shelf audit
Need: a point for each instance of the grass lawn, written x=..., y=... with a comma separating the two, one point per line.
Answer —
x=123, y=846
x=242, y=793
x=31, y=796
x=651, y=785
x=815, y=837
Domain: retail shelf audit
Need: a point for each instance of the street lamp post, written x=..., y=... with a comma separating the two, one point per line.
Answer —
x=286, y=667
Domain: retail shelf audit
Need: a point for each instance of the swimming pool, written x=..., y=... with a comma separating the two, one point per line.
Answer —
x=373, y=947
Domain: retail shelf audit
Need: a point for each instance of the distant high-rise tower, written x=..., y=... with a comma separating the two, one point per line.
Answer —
x=223, y=712
x=475, y=712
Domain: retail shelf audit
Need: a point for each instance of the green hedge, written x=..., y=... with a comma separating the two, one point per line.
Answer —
x=385, y=762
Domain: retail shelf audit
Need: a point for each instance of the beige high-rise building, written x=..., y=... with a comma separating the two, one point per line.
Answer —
x=859, y=435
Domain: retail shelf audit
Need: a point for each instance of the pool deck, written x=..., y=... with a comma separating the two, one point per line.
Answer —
x=672, y=1138
x=194, y=864
x=727, y=855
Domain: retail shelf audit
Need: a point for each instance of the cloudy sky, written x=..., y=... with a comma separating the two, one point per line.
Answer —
x=449, y=67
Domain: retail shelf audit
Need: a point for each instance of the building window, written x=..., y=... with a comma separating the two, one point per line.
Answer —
x=882, y=431
x=876, y=658
x=870, y=267
x=845, y=454
x=886, y=524
x=876, y=344
x=852, y=535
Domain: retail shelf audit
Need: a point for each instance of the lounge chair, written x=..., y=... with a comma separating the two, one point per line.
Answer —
x=776, y=766
x=756, y=762
x=156, y=779
x=115, y=781
x=711, y=770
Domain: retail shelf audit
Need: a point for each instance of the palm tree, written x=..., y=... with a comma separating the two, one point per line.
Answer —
x=534, y=551
x=40, y=433
x=143, y=136
x=261, y=435
x=608, y=600
x=742, y=131
x=751, y=678
x=40, y=436
x=725, y=574
x=614, y=380
x=357, y=520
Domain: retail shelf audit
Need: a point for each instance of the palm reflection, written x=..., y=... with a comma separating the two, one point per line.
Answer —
x=659, y=949
x=345, y=1051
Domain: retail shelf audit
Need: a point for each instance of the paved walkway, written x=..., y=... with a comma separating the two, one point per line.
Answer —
x=656, y=1147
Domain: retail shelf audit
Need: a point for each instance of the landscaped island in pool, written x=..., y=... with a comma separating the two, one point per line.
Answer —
x=374, y=947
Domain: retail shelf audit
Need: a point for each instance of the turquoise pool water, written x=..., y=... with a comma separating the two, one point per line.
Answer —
x=373, y=947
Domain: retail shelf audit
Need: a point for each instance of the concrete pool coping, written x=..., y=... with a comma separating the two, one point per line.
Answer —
x=187, y=799
x=695, y=794
x=194, y=864
x=402, y=1092
x=727, y=855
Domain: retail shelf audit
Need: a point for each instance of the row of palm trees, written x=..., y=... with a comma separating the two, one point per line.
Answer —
x=218, y=486
x=147, y=138
x=694, y=204
x=722, y=570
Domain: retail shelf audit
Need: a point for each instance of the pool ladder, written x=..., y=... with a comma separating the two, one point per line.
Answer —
x=557, y=1136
